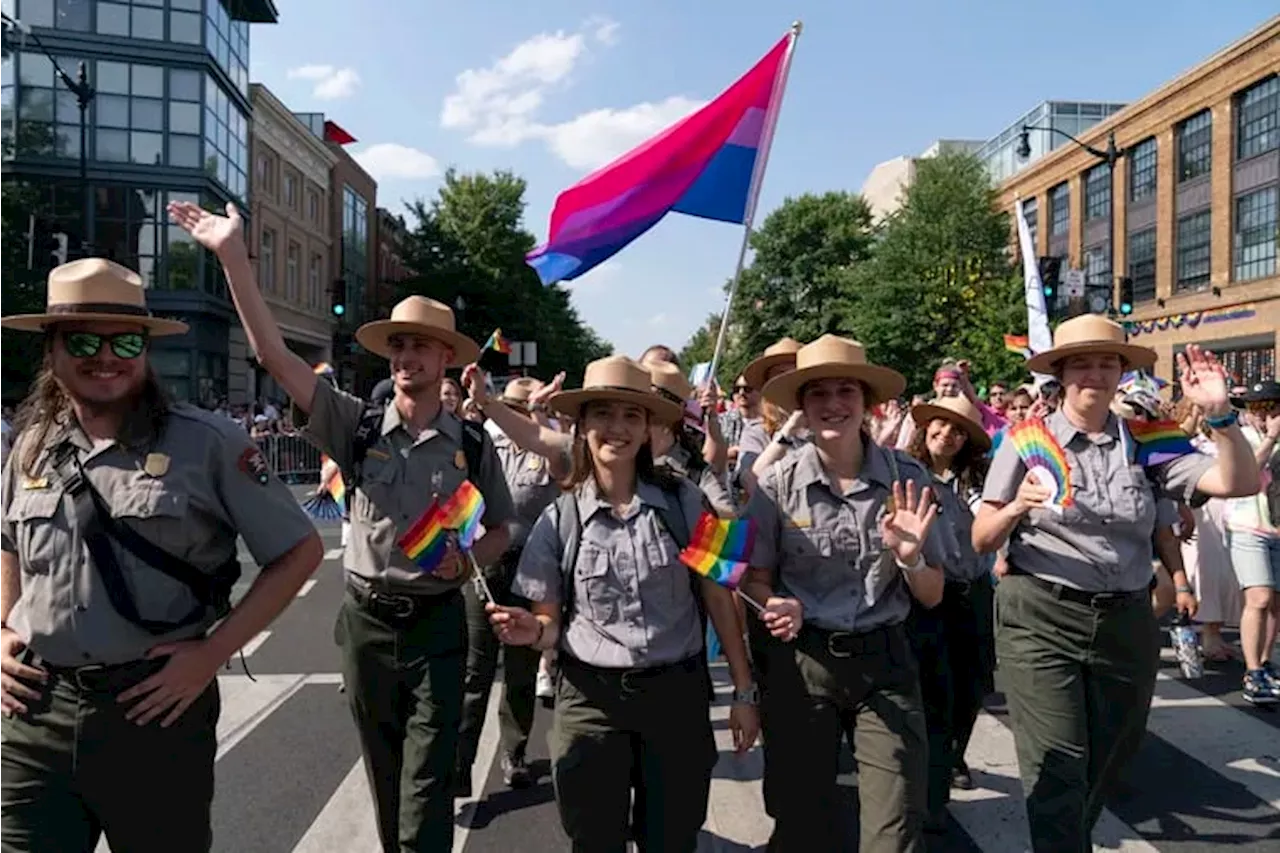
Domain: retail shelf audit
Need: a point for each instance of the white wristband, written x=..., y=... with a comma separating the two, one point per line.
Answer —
x=917, y=566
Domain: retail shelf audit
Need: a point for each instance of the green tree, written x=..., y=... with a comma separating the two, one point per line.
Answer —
x=469, y=243
x=940, y=282
x=702, y=343
x=796, y=284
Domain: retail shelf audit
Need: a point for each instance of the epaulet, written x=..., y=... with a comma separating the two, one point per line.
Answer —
x=220, y=424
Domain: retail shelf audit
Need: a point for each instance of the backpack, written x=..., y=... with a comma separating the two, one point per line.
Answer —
x=370, y=426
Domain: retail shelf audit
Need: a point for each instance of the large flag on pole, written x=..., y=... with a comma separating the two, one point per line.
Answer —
x=1039, y=338
x=704, y=165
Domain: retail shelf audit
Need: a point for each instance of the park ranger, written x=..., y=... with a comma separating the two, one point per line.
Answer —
x=121, y=512
x=402, y=631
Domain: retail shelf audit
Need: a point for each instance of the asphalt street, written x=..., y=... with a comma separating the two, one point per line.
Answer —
x=290, y=778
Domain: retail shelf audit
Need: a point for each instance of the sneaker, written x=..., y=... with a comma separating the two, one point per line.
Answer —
x=1272, y=679
x=1257, y=690
x=960, y=777
x=515, y=772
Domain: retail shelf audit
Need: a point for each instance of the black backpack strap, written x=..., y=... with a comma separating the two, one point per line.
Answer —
x=569, y=526
x=98, y=528
x=473, y=439
x=367, y=430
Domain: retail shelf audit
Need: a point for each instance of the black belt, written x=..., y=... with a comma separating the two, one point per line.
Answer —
x=106, y=678
x=630, y=680
x=1096, y=600
x=847, y=644
x=965, y=587
x=383, y=603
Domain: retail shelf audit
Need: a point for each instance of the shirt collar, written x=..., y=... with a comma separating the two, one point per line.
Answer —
x=590, y=501
x=875, y=466
x=1065, y=431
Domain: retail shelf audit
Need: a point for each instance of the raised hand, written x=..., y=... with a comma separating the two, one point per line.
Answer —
x=906, y=526
x=1203, y=380
x=216, y=233
x=473, y=380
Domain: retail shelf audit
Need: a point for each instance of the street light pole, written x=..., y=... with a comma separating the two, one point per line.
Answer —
x=1110, y=155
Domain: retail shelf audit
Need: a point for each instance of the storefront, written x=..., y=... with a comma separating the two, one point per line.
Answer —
x=1243, y=336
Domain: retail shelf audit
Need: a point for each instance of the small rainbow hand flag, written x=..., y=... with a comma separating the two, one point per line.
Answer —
x=1159, y=441
x=462, y=513
x=426, y=542
x=498, y=343
x=1018, y=345
x=324, y=368
x=1043, y=456
x=720, y=548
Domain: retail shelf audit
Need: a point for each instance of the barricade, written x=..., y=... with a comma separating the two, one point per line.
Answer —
x=293, y=459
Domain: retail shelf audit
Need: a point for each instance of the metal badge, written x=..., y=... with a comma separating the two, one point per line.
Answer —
x=460, y=460
x=157, y=464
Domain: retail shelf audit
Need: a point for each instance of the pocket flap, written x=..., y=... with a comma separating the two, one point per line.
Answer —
x=34, y=503
x=151, y=503
x=593, y=562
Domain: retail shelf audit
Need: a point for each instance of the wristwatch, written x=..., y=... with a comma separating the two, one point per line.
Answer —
x=750, y=696
x=784, y=440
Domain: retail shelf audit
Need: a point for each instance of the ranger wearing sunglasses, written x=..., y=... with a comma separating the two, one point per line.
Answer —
x=121, y=513
x=402, y=631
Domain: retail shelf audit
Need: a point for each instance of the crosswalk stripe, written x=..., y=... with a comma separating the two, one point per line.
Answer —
x=256, y=643
x=307, y=585
x=346, y=823
x=333, y=554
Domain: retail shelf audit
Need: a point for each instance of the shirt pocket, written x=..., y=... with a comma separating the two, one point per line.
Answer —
x=40, y=538
x=599, y=593
x=804, y=550
x=1136, y=501
x=372, y=501
x=158, y=515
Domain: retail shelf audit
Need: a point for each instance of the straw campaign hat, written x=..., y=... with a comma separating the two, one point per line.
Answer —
x=418, y=315
x=519, y=390
x=670, y=383
x=830, y=357
x=782, y=352
x=616, y=378
x=957, y=410
x=95, y=289
x=1091, y=333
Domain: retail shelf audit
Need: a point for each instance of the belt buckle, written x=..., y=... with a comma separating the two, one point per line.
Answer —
x=833, y=640
x=624, y=681
x=89, y=670
x=401, y=605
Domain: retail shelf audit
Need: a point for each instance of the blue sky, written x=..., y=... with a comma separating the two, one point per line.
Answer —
x=555, y=88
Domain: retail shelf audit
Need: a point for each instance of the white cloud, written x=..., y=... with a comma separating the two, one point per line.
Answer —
x=594, y=138
x=605, y=30
x=392, y=160
x=331, y=83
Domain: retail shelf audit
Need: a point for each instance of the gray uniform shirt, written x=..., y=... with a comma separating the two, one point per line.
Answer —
x=401, y=475
x=528, y=476
x=190, y=493
x=633, y=604
x=964, y=564
x=826, y=547
x=1103, y=542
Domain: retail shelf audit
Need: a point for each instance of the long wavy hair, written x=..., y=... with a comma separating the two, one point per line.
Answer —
x=969, y=464
x=583, y=466
x=47, y=407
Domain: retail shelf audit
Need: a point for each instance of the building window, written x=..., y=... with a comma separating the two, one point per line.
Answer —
x=184, y=118
x=313, y=281
x=313, y=206
x=183, y=255
x=129, y=229
x=129, y=113
x=1195, y=146
x=173, y=368
x=1193, y=251
x=1097, y=267
x=58, y=14
x=355, y=248
x=1249, y=366
x=267, y=261
x=1142, y=264
x=1258, y=119
x=1142, y=170
x=228, y=42
x=1097, y=192
x=1059, y=210
x=1256, y=234
x=139, y=19
x=226, y=138
x=291, y=190
x=1031, y=213
x=48, y=118
x=292, y=272
x=184, y=21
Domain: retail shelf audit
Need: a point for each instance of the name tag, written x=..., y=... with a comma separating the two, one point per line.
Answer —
x=800, y=523
x=29, y=483
x=377, y=454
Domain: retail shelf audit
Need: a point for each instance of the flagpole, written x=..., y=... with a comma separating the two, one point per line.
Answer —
x=753, y=195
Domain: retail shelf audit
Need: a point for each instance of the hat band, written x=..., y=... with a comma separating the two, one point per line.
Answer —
x=605, y=389
x=674, y=398
x=72, y=308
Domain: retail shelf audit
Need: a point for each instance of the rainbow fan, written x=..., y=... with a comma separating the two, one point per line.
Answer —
x=1159, y=441
x=1044, y=457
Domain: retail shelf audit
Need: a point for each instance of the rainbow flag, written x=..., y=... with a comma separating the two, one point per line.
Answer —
x=720, y=549
x=462, y=513
x=426, y=542
x=1018, y=345
x=708, y=165
x=1159, y=441
x=497, y=343
x=1043, y=456
x=324, y=368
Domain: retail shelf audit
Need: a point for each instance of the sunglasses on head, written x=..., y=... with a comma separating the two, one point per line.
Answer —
x=126, y=345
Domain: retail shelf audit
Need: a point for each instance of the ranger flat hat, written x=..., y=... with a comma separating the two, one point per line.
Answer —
x=831, y=357
x=616, y=378
x=957, y=410
x=95, y=289
x=781, y=352
x=418, y=315
x=1091, y=333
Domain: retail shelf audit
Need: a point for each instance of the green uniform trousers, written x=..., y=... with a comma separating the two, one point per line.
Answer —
x=404, y=681
x=519, y=676
x=619, y=731
x=1078, y=676
x=870, y=681
x=75, y=768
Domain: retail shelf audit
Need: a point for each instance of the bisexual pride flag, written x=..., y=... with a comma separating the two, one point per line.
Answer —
x=708, y=165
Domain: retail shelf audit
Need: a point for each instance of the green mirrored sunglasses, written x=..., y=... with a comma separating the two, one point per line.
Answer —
x=126, y=345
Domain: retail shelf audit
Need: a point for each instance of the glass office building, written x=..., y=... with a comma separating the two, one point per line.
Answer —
x=169, y=121
x=1000, y=152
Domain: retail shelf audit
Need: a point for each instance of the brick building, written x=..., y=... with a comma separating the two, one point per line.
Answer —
x=392, y=233
x=1196, y=225
x=291, y=238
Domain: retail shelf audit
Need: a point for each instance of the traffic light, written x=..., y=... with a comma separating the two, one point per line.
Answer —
x=46, y=243
x=338, y=297
x=1126, y=296
x=1050, y=268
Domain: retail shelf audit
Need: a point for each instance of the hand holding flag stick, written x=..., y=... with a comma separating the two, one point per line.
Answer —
x=445, y=529
x=720, y=550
